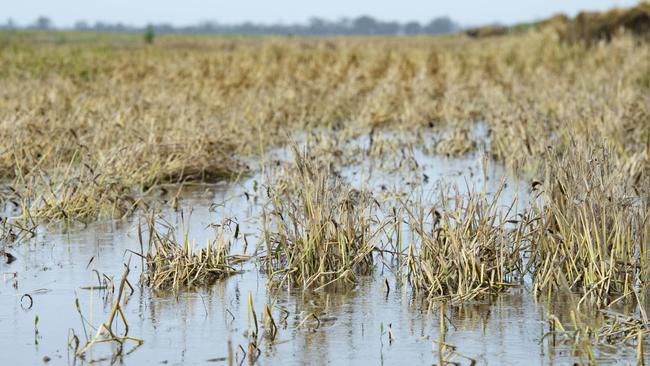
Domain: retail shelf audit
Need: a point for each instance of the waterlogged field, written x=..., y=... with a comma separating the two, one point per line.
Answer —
x=325, y=201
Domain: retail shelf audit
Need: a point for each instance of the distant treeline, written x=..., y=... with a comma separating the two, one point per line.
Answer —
x=363, y=25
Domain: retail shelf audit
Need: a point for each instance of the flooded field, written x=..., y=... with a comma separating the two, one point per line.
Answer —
x=380, y=320
x=471, y=199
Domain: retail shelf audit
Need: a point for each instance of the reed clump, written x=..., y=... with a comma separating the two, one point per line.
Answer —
x=174, y=264
x=458, y=142
x=593, y=231
x=318, y=229
x=79, y=195
x=464, y=247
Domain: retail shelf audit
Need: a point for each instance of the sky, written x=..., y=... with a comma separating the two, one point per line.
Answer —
x=141, y=12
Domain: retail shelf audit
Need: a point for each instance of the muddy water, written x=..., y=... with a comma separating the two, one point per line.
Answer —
x=363, y=325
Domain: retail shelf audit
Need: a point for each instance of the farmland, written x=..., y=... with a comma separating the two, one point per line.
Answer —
x=295, y=190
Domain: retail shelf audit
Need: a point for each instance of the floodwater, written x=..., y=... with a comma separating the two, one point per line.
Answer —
x=361, y=325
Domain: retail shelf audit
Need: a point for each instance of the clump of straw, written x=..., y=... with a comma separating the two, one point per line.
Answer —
x=318, y=229
x=173, y=264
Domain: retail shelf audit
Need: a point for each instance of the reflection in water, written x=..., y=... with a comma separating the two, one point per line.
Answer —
x=194, y=326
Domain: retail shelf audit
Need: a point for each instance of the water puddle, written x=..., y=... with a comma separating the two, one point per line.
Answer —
x=363, y=325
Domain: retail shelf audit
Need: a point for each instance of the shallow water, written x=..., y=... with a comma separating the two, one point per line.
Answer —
x=196, y=327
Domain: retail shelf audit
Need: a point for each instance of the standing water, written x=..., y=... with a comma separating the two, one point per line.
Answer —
x=378, y=321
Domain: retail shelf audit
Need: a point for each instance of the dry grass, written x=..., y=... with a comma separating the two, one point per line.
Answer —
x=318, y=230
x=588, y=329
x=589, y=242
x=89, y=128
x=458, y=142
x=463, y=247
x=591, y=27
x=487, y=31
x=107, y=331
x=593, y=229
x=175, y=265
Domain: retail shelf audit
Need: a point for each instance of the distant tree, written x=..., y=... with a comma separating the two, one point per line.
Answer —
x=364, y=25
x=247, y=27
x=345, y=23
x=387, y=28
x=318, y=26
x=100, y=26
x=43, y=23
x=119, y=27
x=412, y=28
x=149, y=34
x=81, y=25
x=440, y=25
x=10, y=24
x=205, y=27
x=164, y=28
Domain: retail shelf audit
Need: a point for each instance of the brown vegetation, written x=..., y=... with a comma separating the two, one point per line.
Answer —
x=487, y=31
x=89, y=130
x=318, y=230
x=463, y=247
x=174, y=264
x=591, y=27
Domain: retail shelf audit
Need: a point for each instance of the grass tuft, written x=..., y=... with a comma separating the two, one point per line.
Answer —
x=318, y=230
x=174, y=264
x=464, y=247
x=594, y=230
